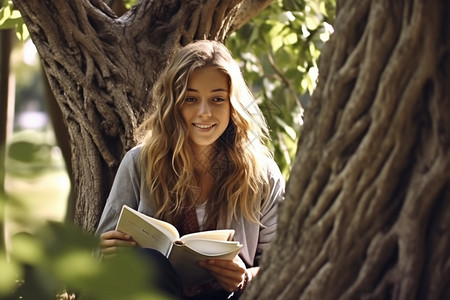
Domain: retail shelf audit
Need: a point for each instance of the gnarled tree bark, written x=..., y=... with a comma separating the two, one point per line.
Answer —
x=367, y=212
x=101, y=68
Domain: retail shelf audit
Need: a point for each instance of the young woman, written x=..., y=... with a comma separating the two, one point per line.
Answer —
x=202, y=165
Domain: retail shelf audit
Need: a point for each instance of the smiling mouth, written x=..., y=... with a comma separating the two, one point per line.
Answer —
x=202, y=126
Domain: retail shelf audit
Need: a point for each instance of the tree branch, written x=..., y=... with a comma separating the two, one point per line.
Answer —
x=247, y=10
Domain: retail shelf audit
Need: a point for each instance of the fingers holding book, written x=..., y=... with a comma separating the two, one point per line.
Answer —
x=230, y=274
x=112, y=241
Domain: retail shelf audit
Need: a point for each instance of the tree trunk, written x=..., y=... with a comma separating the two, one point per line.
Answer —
x=101, y=69
x=367, y=211
x=60, y=128
x=62, y=139
x=6, y=38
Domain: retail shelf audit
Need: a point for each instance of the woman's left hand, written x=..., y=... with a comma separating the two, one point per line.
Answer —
x=230, y=274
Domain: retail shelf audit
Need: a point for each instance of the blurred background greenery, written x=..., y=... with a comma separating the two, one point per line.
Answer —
x=36, y=180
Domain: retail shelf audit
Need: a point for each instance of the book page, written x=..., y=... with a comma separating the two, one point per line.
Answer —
x=146, y=231
x=212, y=248
x=219, y=235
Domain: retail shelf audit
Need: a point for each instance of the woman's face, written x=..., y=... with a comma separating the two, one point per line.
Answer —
x=206, y=108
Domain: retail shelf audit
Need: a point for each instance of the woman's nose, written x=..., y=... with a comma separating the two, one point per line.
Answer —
x=204, y=109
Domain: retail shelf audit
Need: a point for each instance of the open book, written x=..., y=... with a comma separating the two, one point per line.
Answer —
x=184, y=252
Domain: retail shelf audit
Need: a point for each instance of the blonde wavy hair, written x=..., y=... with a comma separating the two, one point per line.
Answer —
x=167, y=160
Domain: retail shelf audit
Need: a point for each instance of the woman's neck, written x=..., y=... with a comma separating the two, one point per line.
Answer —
x=203, y=173
x=203, y=157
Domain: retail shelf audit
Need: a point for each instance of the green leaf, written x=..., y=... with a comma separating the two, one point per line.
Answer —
x=9, y=17
x=10, y=272
x=5, y=12
x=77, y=267
x=8, y=24
x=22, y=31
x=290, y=39
x=288, y=129
x=293, y=5
x=27, y=249
x=312, y=21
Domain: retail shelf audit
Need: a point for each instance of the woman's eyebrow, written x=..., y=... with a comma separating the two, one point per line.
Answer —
x=214, y=90
x=220, y=90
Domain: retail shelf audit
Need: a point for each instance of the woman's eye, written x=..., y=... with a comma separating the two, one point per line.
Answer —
x=189, y=99
x=218, y=99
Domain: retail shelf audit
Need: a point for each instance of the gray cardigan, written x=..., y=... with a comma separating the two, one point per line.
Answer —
x=129, y=188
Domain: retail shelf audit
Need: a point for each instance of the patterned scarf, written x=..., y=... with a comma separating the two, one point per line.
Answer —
x=188, y=222
x=185, y=224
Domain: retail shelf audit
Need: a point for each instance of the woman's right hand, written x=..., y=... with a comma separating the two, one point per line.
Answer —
x=112, y=241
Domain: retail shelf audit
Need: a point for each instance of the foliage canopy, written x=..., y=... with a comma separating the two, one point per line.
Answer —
x=278, y=51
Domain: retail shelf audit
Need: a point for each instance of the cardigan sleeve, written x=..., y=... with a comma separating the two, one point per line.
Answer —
x=256, y=238
x=269, y=214
x=125, y=190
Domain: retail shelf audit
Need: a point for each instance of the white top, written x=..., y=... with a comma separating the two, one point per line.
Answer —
x=201, y=211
